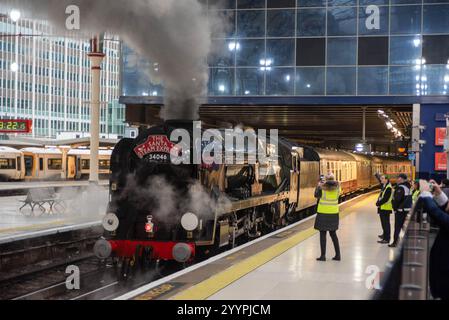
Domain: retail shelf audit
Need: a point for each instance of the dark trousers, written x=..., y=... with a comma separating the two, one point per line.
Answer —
x=399, y=219
x=385, y=222
x=334, y=238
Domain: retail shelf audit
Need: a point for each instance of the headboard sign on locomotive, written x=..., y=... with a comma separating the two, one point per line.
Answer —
x=16, y=126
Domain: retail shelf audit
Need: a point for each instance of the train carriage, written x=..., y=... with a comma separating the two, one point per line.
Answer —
x=42, y=163
x=11, y=164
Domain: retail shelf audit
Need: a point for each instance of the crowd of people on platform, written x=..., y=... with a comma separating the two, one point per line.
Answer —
x=432, y=197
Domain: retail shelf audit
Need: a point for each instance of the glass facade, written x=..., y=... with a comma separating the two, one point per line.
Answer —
x=329, y=48
x=46, y=78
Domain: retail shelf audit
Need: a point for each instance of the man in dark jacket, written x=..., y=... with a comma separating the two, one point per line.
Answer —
x=439, y=254
x=402, y=202
x=384, y=208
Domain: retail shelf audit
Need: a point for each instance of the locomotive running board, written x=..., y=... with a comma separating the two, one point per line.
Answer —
x=242, y=205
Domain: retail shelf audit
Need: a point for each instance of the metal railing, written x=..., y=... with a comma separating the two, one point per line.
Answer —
x=406, y=275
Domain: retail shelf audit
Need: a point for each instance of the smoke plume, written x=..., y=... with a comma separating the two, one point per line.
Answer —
x=174, y=33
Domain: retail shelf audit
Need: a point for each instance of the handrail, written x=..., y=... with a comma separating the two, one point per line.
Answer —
x=406, y=275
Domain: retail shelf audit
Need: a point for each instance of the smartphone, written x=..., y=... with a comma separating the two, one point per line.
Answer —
x=322, y=178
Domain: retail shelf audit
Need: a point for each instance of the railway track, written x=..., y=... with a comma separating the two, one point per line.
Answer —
x=98, y=281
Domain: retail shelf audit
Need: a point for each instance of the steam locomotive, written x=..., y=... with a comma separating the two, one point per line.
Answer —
x=159, y=211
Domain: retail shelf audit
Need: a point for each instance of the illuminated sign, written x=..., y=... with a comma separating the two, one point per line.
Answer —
x=15, y=126
x=440, y=161
x=440, y=136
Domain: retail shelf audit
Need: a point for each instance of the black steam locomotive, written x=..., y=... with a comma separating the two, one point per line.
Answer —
x=162, y=211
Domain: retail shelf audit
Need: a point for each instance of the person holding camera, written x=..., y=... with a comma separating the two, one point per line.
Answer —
x=435, y=202
x=385, y=208
x=402, y=203
x=327, y=219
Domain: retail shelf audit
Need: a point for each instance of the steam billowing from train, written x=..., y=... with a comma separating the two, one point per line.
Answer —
x=175, y=33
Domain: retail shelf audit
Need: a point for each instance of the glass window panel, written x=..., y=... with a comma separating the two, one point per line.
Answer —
x=280, y=81
x=251, y=23
x=251, y=52
x=228, y=17
x=435, y=80
x=250, y=81
x=373, y=51
x=310, y=51
x=341, y=51
x=248, y=4
x=311, y=22
x=221, y=4
x=377, y=2
x=436, y=19
x=280, y=23
x=341, y=80
x=281, y=52
x=311, y=3
x=310, y=81
x=342, y=2
x=221, y=82
x=367, y=25
x=405, y=19
x=223, y=53
x=405, y=1
x=373, y=81
x=281, y=3
x=404, y=80
x=436, y=49
x=405, y=49
x=342, y=21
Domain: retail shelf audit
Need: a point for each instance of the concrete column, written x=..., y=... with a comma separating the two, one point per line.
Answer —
x=96, y=57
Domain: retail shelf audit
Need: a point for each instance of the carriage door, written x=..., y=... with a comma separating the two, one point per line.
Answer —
x=294, y=179
x=29, y=164
x=71, y=167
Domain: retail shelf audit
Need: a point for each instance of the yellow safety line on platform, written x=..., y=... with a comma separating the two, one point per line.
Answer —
x=217, y=282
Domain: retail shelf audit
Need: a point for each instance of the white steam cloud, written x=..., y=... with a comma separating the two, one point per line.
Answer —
x=174, y=33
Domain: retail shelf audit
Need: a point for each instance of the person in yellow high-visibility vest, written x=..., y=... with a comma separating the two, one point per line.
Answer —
x=385, y=208
x=415, y=191
x=328, y=214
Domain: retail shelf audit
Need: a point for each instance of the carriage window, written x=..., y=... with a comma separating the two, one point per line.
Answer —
x=7, y=164
x=85, y=164
x=54, y=164
x=41, y=164
x=104, y=164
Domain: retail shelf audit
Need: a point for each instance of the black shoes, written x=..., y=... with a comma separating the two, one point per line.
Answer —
x=383, y=241
x=321, y=258
x=337, y=258
x=393, y=245
x=381, y=236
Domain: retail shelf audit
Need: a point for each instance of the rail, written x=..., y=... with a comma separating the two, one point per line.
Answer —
x=406, y=275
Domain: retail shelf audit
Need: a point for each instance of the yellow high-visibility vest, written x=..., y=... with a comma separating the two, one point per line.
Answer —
x=415, y=195
x=387, y=206
x=328, y=203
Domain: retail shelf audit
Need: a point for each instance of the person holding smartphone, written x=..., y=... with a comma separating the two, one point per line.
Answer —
x=435, y=202
x=328, y=214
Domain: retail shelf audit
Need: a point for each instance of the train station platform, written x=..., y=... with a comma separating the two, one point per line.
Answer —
x=84, y=208
x=283, y=266
x=26, y=185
